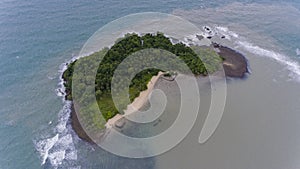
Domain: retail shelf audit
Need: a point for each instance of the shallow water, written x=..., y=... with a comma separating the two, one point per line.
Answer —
x=36, y=37
x=258, y=129
x=260, y=122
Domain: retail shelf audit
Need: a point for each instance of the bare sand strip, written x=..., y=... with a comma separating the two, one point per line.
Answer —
x=137, y=103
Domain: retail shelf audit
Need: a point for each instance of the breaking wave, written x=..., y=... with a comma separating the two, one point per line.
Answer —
x=292, y=66
x=60, y=147
x=59, y=150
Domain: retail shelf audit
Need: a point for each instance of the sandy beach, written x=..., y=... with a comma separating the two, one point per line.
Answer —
x=235, y=65
x=137, y=103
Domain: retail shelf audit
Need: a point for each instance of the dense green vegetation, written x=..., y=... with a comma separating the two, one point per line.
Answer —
x=113, y=57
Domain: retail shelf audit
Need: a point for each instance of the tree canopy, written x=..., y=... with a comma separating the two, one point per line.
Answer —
x=200, y=61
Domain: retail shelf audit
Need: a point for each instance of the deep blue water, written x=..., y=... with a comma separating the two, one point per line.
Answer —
x=36, y=37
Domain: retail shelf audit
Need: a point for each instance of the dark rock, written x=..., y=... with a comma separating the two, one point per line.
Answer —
x=215, y=45
x=120, y=123
x=200, y=37
x=78, y=128
x=235, y=64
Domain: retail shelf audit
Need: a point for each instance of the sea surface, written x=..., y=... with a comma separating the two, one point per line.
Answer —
x=261, y=122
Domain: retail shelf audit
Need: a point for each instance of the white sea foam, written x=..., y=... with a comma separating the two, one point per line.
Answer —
x=63, y=149
x=60, y=147
x=50, y=77
x=298, y=52
x=72, y=155
x=64, y=116
x=56, y=158
x=43, y=147
x=290, y=65
x=59, y=92
x=225, y=31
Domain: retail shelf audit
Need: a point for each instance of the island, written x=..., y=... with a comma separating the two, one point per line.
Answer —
x=234, y=64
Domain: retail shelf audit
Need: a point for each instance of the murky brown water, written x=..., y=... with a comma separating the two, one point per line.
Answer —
x=259, y=128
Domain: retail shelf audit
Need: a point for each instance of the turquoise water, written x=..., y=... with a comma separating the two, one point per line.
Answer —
x=36, y=37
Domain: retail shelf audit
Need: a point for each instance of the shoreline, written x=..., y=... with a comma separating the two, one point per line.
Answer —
x=117, y=121
x=235, y=65
x=136, y=105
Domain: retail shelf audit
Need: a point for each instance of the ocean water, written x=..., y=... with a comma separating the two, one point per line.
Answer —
x=258, y=131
